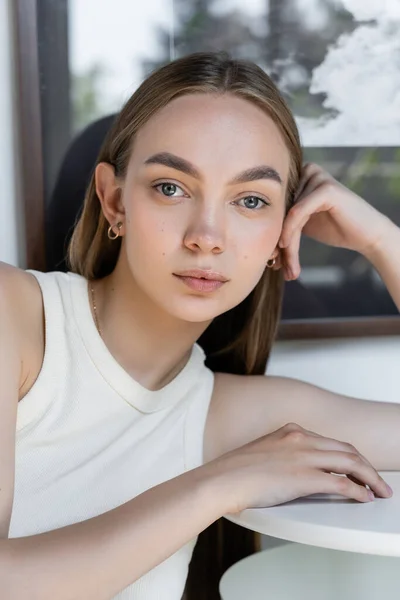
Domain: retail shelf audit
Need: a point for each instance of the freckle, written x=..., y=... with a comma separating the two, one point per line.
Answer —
x=163, y=253
x=245, y=257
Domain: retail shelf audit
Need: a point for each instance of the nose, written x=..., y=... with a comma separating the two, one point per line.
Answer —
x=206, y=233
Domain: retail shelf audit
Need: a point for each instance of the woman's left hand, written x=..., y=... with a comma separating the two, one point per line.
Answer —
x=326, y=211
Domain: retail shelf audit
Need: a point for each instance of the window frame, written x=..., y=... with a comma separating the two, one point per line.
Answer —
x=30, y=130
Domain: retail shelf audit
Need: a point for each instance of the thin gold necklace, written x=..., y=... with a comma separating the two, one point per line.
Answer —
x=95, y=309
x=177, y=369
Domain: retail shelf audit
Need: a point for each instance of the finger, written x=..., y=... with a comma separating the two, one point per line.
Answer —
x=312, y=167
x=309, y=171
x=327, y=443
x=324, y=442
x=332, y=444
x=332, y=484
x=303, y=183
x=299, y=190
x=292, y=262
x=300, y=213
x=310, y=186
x=347, y=463
x=281, y=263
x=355, y=480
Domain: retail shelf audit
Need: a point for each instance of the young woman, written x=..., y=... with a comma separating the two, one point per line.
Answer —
x=127, y=446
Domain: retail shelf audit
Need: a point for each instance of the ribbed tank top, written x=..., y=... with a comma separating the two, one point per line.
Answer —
x=90, y=437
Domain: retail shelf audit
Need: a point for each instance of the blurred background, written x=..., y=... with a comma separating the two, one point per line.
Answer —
x=337, y=62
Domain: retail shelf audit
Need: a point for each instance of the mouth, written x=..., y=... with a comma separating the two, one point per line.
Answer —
x=201, y=280
x=202, y=274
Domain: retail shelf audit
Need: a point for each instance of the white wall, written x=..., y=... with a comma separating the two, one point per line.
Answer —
x=362, y=367
x=12, y=238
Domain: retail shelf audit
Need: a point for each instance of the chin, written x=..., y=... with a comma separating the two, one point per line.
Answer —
x=199, y=309
x=195, y=315
x=195, y=310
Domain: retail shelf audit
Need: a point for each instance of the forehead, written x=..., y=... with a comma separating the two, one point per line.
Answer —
x=214, y=132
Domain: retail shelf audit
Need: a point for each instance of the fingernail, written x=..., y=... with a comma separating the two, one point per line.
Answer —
x=390, y=489
x=371, y=495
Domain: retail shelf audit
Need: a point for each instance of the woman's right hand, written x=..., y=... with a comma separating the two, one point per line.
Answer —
x=290, y=463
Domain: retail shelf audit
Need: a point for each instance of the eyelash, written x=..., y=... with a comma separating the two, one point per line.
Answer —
x=264, y=202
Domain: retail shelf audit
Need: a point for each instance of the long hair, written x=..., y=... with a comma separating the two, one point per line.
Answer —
x=246, y=332
x=238, y=341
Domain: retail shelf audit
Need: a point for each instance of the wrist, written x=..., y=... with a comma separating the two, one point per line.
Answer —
x=385, y=245
x=215, y=487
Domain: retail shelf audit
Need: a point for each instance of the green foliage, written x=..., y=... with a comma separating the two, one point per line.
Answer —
x=86, y=97
x=394, y=181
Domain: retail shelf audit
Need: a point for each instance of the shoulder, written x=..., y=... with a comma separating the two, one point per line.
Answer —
x=22, y=304
x=14, y=280
x=20, y=293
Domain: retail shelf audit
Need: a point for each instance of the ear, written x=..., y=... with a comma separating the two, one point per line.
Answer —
x=109, y=192
x=277, y=255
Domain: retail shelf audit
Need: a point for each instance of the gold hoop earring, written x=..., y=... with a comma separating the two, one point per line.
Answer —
x=110, y=229
x=271, y=264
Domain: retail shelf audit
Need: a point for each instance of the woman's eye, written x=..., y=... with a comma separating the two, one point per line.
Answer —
x=168, y=189
x=253, y=202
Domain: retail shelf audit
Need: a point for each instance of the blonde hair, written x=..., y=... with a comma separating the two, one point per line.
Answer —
x=238, y=341
x=253, y=323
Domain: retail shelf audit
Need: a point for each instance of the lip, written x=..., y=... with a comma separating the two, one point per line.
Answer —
x=202, y=274
x=199, y=284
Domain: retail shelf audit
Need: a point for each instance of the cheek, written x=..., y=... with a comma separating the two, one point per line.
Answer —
x=262, y=242
x=255, y=251
x=150, y=234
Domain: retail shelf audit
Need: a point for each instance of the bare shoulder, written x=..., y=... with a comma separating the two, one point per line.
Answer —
x=15, y=293
x=21, y=299
x=14, y=280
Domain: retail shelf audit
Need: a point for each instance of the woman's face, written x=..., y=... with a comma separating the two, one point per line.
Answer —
x=205, y=189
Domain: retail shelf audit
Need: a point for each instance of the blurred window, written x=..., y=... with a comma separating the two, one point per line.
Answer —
x=335, y=61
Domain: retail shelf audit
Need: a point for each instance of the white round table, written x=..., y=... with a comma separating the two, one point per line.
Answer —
x=335, y=522
x=337, y=554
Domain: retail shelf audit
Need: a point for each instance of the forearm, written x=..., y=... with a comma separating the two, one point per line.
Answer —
x=385, y=258
x=97, y=558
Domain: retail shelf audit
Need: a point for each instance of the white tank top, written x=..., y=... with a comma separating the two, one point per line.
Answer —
x=90, y=437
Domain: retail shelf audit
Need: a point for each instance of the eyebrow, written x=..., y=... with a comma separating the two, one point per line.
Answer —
x=181, y=164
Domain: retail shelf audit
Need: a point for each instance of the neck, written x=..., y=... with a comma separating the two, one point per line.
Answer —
x=149, y=344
